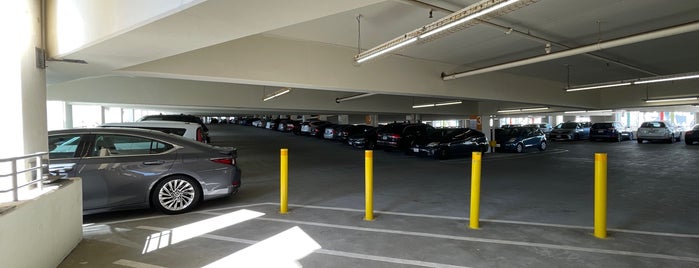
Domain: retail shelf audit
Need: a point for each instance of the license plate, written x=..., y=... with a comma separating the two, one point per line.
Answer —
x=384, y=138
x=416, y=150
x=600, y=131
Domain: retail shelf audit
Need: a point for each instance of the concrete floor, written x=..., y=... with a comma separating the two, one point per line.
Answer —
x=536, y=209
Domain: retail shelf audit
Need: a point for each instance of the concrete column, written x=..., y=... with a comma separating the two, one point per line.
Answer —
x=696, y=118
x=23, y=87
x=343, y=119
x=68, y=115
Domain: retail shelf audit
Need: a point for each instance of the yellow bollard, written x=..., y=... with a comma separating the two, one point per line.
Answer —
x=601, y=195
x=284, y=181
x=475, y=189
x=369, y=184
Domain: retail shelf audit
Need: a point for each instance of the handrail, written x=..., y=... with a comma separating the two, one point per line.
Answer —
x=39, y=168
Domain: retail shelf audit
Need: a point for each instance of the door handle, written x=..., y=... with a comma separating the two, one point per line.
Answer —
x=158, y=162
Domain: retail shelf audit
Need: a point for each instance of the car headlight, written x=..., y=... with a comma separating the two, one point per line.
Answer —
x=512, y=140
x=432, y=144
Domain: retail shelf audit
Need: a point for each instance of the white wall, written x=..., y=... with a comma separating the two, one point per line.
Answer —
x=43, y=231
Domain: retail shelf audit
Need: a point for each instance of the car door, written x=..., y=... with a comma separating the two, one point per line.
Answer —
x=530, y=137
x=119, y=169
x=66, y=153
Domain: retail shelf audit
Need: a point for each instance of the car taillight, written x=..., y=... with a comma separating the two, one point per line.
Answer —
x=200, y=135
x=394, y=136
x=225, y=161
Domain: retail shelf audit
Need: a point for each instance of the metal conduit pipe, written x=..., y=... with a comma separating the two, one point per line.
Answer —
x=530, y=36
x=675, y=30
x=338, y=100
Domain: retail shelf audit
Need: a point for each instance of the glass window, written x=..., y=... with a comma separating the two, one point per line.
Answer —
x=63, y=146
x=110, y=145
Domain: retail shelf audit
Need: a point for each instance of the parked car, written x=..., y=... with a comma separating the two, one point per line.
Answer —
x=332, y=132
x=517, y=139
x=351, y=130
x=570, y=131
x=692, y=136
x=658, y=131
x=182, y=118
x=288, y=125
x=511, y=125
x=311, y=128
x=365, y=140
x=272, y=124
x=545, y=127
x=614, y=131
x=128, y=168
x=185, y=129
x=401, y=135
x=454, y=142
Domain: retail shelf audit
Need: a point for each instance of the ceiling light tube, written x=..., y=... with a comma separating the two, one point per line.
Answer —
x=574, y=112
x=386, y=50
x=673, y=99
x=510, y=111
x=423, y=105
x=447, y=103
x=467, y=18
x=277, y=94
x=600, y=111
x=534, y=109
x=338, y=100
x=571, y=89
x=684, y=76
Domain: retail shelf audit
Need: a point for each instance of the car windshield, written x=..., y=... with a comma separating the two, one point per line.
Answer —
x=653, y=124
x=567, y=125
x=513, y=132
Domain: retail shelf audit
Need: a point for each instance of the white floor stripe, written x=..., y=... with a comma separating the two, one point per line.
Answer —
x=135, y=264
x=492, y=241
x=326, y=251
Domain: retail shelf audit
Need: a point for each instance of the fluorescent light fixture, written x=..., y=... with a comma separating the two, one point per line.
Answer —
x=277, y=94
x=386, y=50
x=523, y=110
x=668, y=78
x=574, y=112
x=423, y=105
x=437, y=104
x=598, y=86
x=588, y=111
x=534, y=109
x=600, y=111
x=468, y=18
x=481, y=8
x=447, y=103
x=638, y=81
x=673, y=99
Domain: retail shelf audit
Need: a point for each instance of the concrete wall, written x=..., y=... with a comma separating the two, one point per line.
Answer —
x=43, y=231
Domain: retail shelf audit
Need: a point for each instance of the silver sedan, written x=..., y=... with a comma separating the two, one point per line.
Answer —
x=126, y=168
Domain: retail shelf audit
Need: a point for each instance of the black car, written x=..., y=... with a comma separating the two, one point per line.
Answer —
x=182, y=118
x=517, y=139
x=456, y=142
x=692, y=136
x=351, y=130
x=401, y=136
x=613, y=131
x=365, y=140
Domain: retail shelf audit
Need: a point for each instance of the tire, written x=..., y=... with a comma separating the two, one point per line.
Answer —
x=576, y=137
x=542, y=146
x=618, y=137
x=679, y=138
x=519, y=148
x=176, y=194
x=671, y=140
x=688, y=142
x=639, y=140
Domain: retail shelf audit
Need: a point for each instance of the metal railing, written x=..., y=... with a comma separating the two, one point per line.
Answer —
x=38, y=165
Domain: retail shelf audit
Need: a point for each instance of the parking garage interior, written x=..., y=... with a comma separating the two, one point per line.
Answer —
x=76, y=64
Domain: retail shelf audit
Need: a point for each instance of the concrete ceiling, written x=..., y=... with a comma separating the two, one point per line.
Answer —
x=309, y=45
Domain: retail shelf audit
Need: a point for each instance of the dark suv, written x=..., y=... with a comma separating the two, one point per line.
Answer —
x=614, y=131
x=182, y=118
x=401, y=136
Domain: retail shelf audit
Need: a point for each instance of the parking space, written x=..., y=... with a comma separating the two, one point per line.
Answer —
x=536, y=209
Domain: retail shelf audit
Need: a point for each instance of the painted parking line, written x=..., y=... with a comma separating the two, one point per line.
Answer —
x=324, y=251
x=135, y=264
x=563, y=226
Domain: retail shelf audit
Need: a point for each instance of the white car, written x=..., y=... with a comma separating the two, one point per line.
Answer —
x=185, y=129
x=658, y=131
